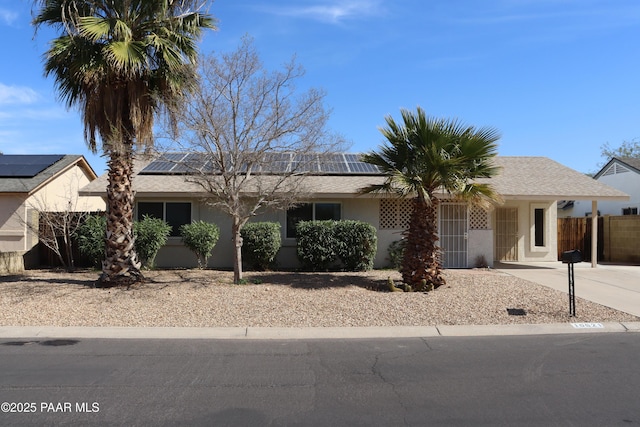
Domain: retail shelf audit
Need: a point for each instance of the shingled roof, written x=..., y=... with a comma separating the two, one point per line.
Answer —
x=541, y=178
x=631, y=163
x=30, y=184
x=531, y=178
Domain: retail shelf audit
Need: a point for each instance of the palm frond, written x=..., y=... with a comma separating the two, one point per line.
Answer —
x=94, y=28
x=119, y=62
x=424, y=154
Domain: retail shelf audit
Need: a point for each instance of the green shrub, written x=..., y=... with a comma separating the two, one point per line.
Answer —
x=357, y=244
x=396, y=253
x=91, y=238
x=201, y=237
x=317, y=244
x=261, y=242
x=322, y=243
x=151, y=234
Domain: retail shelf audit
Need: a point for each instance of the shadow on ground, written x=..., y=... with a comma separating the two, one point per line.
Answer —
x=327, y=280
x=61, y=280
x=516, y=266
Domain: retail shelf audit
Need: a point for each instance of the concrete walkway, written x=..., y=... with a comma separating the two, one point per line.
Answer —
x=614, y=286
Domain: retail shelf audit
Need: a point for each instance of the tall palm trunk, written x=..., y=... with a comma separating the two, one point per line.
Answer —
x=421, y=263
x=121, y=265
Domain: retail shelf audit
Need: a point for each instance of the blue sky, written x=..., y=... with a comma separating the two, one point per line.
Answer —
x=558, y=78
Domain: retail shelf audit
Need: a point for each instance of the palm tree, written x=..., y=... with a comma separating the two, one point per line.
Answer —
x=121, y=62
x=425, y=156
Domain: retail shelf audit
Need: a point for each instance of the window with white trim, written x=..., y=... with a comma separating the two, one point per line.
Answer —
x=539, y=235
x=539, y=226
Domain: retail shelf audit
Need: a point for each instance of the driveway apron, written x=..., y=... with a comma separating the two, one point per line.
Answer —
x=614, y=286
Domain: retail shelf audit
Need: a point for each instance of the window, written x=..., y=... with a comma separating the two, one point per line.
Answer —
x=297, y=214
x=174, y=213
x=629, y=211
x=310, y=212
x=541, y=217
x=539, y=226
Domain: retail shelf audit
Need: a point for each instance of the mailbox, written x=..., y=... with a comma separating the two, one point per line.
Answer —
x=572, y=256
x=569, y=258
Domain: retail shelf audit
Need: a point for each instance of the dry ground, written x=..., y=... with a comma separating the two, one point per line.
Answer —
x=208, y=298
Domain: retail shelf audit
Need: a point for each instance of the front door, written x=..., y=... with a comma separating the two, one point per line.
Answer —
x=453, y=235
x=506, y=234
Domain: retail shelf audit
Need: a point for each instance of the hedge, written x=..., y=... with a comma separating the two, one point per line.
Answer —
x=261, y=242
x=322, y=244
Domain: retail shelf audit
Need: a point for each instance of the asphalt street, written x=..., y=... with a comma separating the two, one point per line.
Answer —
x=568, y=379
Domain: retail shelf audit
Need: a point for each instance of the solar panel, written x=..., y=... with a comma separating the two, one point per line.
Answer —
x=24, y=165
x=158, y=166
x=305, y=163
x=190, y=163
x=174, y=157
x=168, y=163
x=334, y=167
x=361, y=167
x=356, y=165
x=276, y=162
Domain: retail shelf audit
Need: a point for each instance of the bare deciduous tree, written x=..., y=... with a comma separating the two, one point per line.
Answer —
x=55, y=230
x=626, y=149
x=55, y=223
x=241, y=124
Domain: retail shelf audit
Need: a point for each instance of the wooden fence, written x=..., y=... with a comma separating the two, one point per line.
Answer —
x=575, y=233
x=618, y=237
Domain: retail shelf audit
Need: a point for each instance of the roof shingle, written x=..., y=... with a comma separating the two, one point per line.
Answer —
x=531, y=178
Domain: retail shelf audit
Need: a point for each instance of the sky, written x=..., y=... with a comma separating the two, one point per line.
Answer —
x=557, y=78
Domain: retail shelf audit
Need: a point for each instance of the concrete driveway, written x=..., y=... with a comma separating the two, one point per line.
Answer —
x=615, y=286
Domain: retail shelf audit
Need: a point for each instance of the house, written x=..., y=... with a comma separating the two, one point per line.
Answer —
x=622, y=173
x=31, y=183
x=523, y=228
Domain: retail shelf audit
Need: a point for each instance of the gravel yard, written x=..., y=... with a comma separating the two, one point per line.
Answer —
x=208, y=298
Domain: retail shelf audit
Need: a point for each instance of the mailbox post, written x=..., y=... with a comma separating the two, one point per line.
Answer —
x=571, y=257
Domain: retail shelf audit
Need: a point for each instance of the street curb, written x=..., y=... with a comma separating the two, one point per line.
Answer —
x=310, y=333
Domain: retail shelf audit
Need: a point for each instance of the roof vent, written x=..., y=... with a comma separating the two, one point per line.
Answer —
x=615, y=169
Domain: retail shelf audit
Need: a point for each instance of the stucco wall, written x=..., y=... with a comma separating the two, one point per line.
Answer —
x=629, y=182
x=527, y=251
x=61, y=194
x=58, y=195
x=480, y=241
x=174, y=254
x=12, y=230
x=480, y=248
x=362, y=209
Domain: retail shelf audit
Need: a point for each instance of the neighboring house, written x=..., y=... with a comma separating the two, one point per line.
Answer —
x=523, y=228
x=31, y=183
x=620, y=173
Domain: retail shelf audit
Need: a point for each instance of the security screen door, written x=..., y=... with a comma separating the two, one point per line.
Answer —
x=453, y=235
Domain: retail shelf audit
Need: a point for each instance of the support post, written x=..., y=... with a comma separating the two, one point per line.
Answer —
x=572, y=291
x=594, y=233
